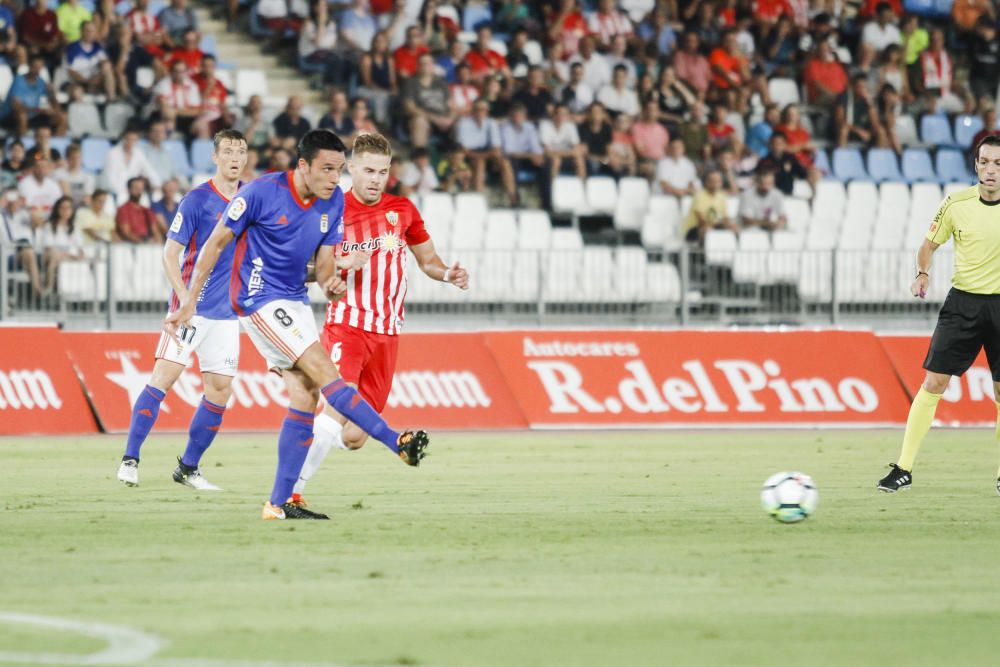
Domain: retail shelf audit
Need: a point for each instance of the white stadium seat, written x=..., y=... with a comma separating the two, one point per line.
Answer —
x=660, y=227
x=566, y=238
x=602, y=194
x=663, y=283
x=494, y=275
x=632, y=204
x=148, y=280
x=438, y=210
x=630, y=272
x=534, y=230
x=568, y=195
x=562, y=274
x=785, y=258
x=924, y=201
x=829, y=201
x=526, y=278
x=122, y=268
x=720, y=247
x=783, y=91
x=250, y=82
x=501, y=229
x=468, y=233
x=815, y=276
x=750, y=265
x=596, y=273
x=76, y=282
x=798, y=213
x=470, y=206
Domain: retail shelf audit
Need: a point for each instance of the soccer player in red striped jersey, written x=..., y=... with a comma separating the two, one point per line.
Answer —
x=362, y=328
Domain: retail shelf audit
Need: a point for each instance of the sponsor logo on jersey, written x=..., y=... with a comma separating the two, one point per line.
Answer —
x=392, y=217
x=256, y=283
x=237, y=208
x=28, y=390
x=390, y=242
x=372, y=245
x=175, y=226
x=324, y=223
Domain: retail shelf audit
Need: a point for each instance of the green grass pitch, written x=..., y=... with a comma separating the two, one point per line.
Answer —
x=513, y=549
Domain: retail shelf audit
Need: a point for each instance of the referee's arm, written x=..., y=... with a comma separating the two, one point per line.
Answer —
x=919, y=286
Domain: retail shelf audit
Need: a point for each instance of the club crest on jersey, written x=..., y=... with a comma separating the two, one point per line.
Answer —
x=324, y=223
x=237, y=208
x=392, y=217
x=175, y=226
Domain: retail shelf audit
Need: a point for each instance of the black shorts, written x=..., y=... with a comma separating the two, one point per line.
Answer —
x=966, y=324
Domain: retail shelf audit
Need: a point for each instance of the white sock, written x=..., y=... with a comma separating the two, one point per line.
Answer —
x=326, y=434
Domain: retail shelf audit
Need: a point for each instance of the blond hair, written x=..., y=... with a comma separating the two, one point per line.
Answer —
x=371, y=142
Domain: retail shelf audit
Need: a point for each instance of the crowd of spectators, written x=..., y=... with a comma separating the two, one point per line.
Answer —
x=503, y=94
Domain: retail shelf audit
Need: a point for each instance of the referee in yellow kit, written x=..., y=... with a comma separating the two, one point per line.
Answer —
x=970, y=316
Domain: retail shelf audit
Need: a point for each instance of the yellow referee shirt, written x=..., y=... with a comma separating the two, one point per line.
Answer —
x=975, y=226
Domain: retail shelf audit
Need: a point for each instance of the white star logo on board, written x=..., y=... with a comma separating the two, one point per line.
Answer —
x=132, y=380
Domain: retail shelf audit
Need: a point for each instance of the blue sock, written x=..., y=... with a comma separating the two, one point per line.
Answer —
x=204, y=427
x=293, y=445
x=144, y=414
x=348, y=402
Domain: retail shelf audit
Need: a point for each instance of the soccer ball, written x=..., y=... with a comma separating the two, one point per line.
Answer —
x=789, y=496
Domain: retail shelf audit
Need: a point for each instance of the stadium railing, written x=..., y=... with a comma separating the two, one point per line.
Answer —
x=745, y=282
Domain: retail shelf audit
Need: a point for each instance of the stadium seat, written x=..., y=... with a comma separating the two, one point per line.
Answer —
x=850, y=277
x=179, y=156
x=848, y=165
x=562, y=273
x=85, y=120
x=629, y=273
x=94, y=151
x=201, y=155
x=501, y=229
x=855, y=233
x=148, y=281
x=76, y=282
x=60, y=144
x=936, y=131
x=893, y=201
x=917, y=165
x=750, y=265
x=596, y=274
x=906, y=131
x=814, y=278
x=474, y=14
x=602, y=194
x=785, y=258
x=663, y=283
x=822, y=235
x=661, y=231
x=437, y=207
x=145, y=77
x=6, y=79
x=632, y=203
x=798, y=214
x=568, y=195
x=862, y=200
x=883, y=166
x=783, y=91
x=116, y=118
x=208, y=45
x=720, y=247
x=732, y=207
x=953, y=187
x=534, y=230
x=250, y=82
x=345, y=182
x=468, y=233
x=919, y=7
x=951, y=167
x=924, y=200
x=494, y=275
x=822, y=162
x=470, y=206
x=525, y=279
x=966, y=128
x=566, y=238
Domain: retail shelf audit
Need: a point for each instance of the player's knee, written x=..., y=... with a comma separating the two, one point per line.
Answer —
x=354, y=440
x=936, y=383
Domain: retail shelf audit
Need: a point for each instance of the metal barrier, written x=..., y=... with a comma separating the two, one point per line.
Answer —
x=122, y=286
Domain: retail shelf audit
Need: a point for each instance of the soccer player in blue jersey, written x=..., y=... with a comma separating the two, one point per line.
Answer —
x=281, y=222
x=213, y=332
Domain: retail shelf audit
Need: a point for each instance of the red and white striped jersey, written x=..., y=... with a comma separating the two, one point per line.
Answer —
x=375, y=293
x=143, y=22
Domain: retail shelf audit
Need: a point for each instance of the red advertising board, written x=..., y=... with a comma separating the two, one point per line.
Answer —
x=39, y=392
x=968, y=400
x=689, y=378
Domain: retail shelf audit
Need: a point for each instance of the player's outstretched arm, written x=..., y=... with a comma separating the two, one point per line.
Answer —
x=172, y=267
x=207, y=259
x=354, y=261
x=924, y=256
x=431, y=264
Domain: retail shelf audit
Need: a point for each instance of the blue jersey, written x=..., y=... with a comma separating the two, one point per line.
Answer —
x=197, y=215
x=276, y=237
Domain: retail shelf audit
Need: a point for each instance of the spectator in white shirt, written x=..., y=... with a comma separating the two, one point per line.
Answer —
x=619, y=56
x=463, y=93
x=59, y=240
x=39, y=190
x=158, y=156
x=617, y=97
x=75, y=181
x=763, y=205
x=418, y=175
x=480, y=136
x=607, y=23
x=675, y=173
x=561, y=141
x=126, y=161
x=179, y=93
x=16, y=228
x=87, y=64
x=596, y=71
x=881, y=32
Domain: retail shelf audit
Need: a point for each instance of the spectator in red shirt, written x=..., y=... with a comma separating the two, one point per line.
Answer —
x=135, y=222
x=188, y=52
x=825, y=78
x=149, y=34
x=768, y=11
x=484, y=61
x=38, y=29
x=721, y=134
x=567, y=27
x=213, y=97
x=730, y=71
x=800, y=142
x=406, y=56
x=869, y=8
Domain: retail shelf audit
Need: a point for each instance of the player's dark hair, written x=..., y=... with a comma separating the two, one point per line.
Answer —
x=314, y=141
x=222, y=135
x=992, y=139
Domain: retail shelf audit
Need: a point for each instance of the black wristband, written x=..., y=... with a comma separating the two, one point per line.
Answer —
x=922, y=273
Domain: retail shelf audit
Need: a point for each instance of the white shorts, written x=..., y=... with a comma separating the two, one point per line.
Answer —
x=282, y=331
x=216, y=342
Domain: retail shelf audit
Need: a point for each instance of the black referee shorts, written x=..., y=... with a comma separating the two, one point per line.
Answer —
x=966, y=324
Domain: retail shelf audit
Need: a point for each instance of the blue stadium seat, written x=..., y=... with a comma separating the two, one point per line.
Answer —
x=917, y=166
x=966, y=128
x=936, y=131
x=60, y=144
x=942, y=8
x=474, y=15
x=201, y=155
x=208, y=45
x=94, y=151
x=823, y=162
x=882, y=165
x=919, y=7
x=951, y=166
x=848, y=165
x=179, y=156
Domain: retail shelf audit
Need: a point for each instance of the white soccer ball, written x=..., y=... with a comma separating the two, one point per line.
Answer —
x=789, y=496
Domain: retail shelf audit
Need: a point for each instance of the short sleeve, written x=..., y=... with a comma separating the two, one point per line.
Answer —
x=245, y=208
x=942, y=226
x=185, y=221
x=335, y=232
x=416, y=232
